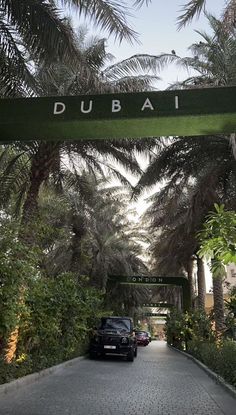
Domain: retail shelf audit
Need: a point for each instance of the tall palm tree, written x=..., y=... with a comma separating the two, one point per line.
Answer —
x=88, y=76
x=211, y=179
x=173, y=244
x=36, y=31
x=214, y=61
x=24, y=33
x=95, y=238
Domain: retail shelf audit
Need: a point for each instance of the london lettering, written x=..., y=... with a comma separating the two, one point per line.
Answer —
x=88, y=106
x=144, y=280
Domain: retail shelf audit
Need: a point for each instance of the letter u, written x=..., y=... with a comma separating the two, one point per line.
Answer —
x=86, y=111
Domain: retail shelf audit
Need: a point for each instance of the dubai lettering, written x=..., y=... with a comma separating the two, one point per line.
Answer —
x=116, y=106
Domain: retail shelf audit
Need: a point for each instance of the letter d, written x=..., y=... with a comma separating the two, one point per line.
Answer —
x=59, y=108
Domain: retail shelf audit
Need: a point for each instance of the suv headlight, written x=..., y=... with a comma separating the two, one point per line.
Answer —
x=124, y=340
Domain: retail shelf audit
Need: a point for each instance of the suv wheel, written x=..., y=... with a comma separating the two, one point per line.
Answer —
x=130, y=355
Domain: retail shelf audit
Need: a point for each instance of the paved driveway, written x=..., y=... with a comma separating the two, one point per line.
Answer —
x=159, y=382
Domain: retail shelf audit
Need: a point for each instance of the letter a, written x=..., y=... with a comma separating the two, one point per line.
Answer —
x=116, y=107
x=147, y=104
x=59, y=108
x=89, y=108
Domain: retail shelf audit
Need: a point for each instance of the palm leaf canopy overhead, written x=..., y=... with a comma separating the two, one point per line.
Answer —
x=37, y=31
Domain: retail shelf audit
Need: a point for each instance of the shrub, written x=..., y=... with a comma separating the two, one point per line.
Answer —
x=182, y=328
x=221, y=358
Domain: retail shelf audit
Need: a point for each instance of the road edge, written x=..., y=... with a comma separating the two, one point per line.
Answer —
x=217, y=378
x=34, y=377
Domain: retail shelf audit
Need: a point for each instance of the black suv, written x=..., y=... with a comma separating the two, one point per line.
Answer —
x=114, y=335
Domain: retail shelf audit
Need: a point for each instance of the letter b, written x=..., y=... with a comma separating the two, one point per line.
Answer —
x=116, y=107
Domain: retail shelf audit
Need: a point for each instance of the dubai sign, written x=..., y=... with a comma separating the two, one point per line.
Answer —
x=131, y=115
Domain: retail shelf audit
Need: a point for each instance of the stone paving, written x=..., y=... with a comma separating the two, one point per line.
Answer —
x=159, y=382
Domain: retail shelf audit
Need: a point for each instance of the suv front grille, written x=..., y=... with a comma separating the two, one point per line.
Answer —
x=110, y=339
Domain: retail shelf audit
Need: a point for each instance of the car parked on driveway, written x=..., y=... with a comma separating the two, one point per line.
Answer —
x=142, y=337
x=115, y=335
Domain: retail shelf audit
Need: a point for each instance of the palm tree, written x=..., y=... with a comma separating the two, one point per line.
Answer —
x=214, y=61
x=25, y=28
x=213, y=58
x=209, y=179
x=195, y=7
x=173, y=245
x=88, y=76
x=33, y=32
x=91, y=236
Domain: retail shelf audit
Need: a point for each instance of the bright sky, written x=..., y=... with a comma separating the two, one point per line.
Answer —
x=157, y=27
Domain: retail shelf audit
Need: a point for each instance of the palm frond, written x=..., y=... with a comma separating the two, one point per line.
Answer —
x=15, y=74
x=190, y=9
x=44, y=33
x=140, y=3
x=109, y=15
x=138, y=63
x=134, y=83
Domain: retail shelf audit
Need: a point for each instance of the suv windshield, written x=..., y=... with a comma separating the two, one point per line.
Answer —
x=119, y=324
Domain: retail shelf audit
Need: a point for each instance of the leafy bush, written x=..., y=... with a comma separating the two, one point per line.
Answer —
x=59, y=314
x=221, y=358
x=17, y=267
x=181, y=328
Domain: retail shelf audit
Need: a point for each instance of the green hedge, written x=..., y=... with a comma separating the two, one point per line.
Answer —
x=220, y=358
x=54, y=319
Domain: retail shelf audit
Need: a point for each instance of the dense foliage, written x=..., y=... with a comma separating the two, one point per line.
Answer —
x=52, y=314
x=194, y=333
x=182, y=328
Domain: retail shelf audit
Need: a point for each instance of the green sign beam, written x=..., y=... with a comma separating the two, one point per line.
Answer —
x=158, y=280
x=145, y=114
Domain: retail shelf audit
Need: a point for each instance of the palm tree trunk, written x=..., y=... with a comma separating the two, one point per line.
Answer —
x=201, y=283
x=79, y=231
x=40, y=169
x=233, y=144
x=218, y=304
x=190, y=278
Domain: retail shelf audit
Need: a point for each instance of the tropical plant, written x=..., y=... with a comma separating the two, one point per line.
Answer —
x=213, y=58
x=197, y=184
x=183, y=330
x=43, y=159
x=34, y=32
x=218, y=244
x=193, y=184
x=89, y=76
x=195, y=7
x=24, y=35
x=94, y=237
